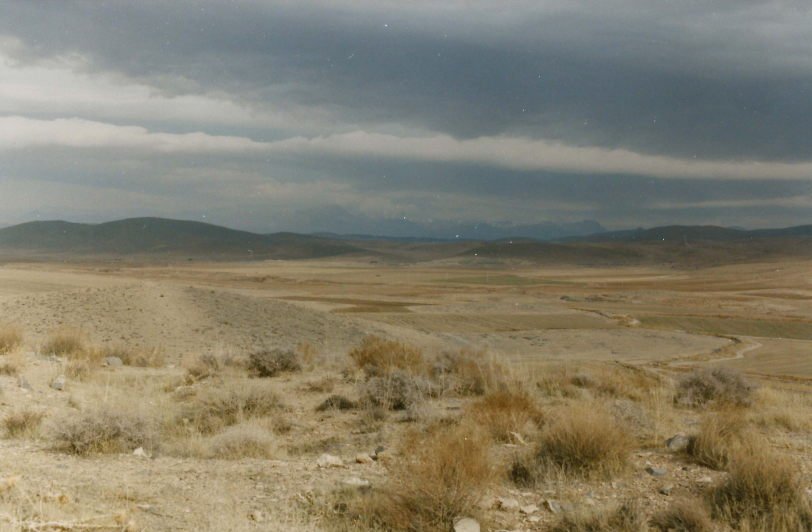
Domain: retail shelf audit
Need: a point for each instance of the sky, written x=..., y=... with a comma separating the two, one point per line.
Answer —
x=357, y=115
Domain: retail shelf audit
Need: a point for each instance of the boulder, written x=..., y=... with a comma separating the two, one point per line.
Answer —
x=466, y=524
x=328, y=460
x=58, y=383
x=678, y=442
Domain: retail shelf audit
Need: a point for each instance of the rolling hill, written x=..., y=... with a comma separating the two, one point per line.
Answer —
x=160, y=236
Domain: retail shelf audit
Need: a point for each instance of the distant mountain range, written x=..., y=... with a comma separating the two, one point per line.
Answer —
x=684, y=245
x=478, y=231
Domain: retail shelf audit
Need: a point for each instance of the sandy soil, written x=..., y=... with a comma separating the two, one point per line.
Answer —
x=661, y=319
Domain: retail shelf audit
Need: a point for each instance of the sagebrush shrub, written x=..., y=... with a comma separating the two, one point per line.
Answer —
x=717, y=386
x=271, y=363
x=397, y=390
x=103, y=431
x=214, y=408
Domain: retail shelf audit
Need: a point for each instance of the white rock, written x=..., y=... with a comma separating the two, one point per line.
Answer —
x=113, y=362
x=58, y=383
x=363, y=458
x=140, y=453
x=355, y=482
x=466, y=524
x=328, y=460
x=529, y=509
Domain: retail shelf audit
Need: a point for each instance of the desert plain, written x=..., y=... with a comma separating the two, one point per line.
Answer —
x=157, y=337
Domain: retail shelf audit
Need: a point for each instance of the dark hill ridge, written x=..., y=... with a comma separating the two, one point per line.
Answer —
x=694, y=233
x=137, y=236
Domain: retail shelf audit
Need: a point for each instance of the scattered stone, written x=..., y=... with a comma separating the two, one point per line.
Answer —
x=705, y=480
x=356, y=482
x=529, y=509
x=23, y=383
x=466, y=524
x=553, y=506
x=678, y=442
x=140, y=453
x=113, y=362
x=328, y=460
x=534, y=518
x=363, y=458
x=507, y=503
x=656, y=471
x=58, y=383
x=518, y=438
x=257, y=516
x=667, y=489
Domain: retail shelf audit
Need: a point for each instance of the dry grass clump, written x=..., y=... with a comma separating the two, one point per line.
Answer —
x=378, y=357
x=717, y=387
x=213, y=409
x=11, y=338
x=620, y=381
x=201, y=367
x=720, y=437
x=23, y=423
x=136, y=357
x=683, y=516
x=66, y=342
x=583, y=440
x=242, y=441
x=396, y=390
x=443, y=475
x=273, y=362
x=466, y=372
x=336, y=402
x=11, y=365
x=625, y=518
x=763, y=492
x=505, y=413
x=103, y=431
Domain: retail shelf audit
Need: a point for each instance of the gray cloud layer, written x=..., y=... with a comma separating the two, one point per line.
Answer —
x=676, y=112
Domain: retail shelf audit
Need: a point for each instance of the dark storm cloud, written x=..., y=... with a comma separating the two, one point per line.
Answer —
x=711, y=80
x=476, y=109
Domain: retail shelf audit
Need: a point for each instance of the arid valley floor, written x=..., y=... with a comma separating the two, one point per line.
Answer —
x=614, y=341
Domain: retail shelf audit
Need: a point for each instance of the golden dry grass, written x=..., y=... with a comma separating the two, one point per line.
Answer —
x=504, y=414
x=23, y=423
x=721, y=435
x=65, y=341
x=625, y=518
x=763, y=492
x=583, y=440
x=11, y=337
x=683, y=516
x=442, y=475
x=468, y=372
x=379, y=356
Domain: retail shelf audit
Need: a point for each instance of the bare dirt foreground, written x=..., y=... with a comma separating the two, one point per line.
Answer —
x=131, y=400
